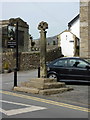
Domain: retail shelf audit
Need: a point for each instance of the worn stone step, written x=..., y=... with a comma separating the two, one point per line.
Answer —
x=54, y=91
x=43, y=85
x=26, y=89
x=54, y=85
x=42, y=92
x=42, y=80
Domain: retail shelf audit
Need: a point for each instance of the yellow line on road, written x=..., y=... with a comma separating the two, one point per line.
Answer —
x=46, y=101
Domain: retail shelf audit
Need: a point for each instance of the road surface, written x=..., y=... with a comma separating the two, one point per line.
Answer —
x=23, y=105
x=18, y=105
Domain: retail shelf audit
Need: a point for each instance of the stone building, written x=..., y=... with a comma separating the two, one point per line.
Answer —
x=23, y=34
x=85, y=29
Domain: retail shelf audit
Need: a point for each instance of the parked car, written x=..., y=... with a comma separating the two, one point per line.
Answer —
x=69, y=69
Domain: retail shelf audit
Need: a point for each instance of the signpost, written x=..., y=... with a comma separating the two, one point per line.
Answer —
x=16, y=69
x=13, y=43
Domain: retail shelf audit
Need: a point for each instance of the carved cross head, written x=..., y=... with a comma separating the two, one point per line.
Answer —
x=42, y=26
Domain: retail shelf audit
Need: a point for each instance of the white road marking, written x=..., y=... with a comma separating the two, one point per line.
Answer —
x=2, y=111
x=14, y=103
x=27, y=108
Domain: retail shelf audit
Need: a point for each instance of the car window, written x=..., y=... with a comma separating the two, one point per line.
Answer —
x=77, y=63
x=60, y=63
x=71, y=62
x=82, y=64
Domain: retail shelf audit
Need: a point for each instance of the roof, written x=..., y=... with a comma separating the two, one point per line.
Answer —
x=73, y=20
x=14, y=20
x=67, y=31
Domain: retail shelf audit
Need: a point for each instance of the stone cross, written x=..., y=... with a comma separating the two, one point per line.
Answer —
x=42, y=27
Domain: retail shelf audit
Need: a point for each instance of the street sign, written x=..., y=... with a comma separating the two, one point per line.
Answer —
x=11, y=44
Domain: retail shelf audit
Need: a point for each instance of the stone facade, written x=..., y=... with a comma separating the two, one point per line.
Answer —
x=29, y=60
x=23, y=34
x=85, y=28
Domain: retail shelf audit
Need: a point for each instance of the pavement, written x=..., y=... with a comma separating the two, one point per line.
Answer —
x=78, y=96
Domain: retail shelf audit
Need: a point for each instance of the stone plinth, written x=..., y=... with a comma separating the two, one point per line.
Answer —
x=44, y=86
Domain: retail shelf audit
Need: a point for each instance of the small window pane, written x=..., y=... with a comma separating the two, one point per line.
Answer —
x=61, y=63
x=71, y=62
x=82, y=64
x=77, y=63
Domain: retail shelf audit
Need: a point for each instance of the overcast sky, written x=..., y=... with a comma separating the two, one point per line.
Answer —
x=56, y=14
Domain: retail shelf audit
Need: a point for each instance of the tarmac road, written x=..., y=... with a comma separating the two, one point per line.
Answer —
x=77, y=97
x=18, y=105
x=8, y=78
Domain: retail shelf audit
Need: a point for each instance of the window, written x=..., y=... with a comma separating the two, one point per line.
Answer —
x=82, y=64
x=71, y=41
x=71, y=62
x=77, y=63
x=60, y=63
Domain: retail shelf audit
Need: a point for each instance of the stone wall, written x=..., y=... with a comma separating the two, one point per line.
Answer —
x=29, y=60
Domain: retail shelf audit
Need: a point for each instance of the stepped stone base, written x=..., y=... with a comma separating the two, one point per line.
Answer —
x=44, y=86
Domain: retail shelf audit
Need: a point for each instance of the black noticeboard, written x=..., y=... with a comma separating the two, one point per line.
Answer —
x=11, y=44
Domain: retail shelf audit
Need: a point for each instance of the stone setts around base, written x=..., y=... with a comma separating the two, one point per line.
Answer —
x=44, y=86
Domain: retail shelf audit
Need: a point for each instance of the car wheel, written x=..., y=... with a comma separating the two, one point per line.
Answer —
x=54, y=76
